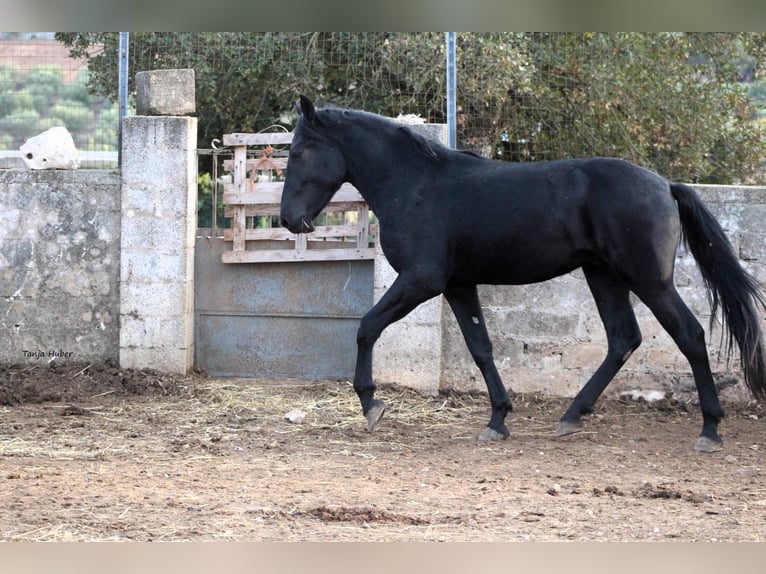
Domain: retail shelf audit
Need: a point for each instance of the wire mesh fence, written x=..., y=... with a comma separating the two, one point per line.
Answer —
x=42, y=86
x=686, y=105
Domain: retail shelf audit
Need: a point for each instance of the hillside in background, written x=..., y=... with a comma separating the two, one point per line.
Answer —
x=41, y=86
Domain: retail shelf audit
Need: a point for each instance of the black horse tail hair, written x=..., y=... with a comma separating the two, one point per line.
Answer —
x=728, y=285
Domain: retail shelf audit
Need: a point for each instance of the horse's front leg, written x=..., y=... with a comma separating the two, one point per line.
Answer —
x=403, y=296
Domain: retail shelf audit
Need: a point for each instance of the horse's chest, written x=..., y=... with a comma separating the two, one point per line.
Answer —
x=410, y=248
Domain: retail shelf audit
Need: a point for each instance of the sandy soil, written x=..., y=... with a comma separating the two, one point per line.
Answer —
x=94, y=453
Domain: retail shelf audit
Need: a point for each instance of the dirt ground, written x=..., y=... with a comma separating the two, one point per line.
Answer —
x=93, y=453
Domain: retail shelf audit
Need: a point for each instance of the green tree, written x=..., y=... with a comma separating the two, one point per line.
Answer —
x=76, y=116
x=668, y=101
x=44, y=83
x=21, y=124
x=77, y=89
x=7, y=87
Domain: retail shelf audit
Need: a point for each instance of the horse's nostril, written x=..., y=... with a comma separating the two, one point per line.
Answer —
x=282, y=222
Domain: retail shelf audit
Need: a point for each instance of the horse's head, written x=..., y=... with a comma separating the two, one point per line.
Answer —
x=316, y=169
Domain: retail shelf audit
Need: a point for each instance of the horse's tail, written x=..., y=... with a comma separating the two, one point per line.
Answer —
x=728, y=285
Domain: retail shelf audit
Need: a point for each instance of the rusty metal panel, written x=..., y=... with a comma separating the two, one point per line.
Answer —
x=278, y=320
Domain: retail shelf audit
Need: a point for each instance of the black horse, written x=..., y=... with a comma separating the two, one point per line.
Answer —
x=450, y=220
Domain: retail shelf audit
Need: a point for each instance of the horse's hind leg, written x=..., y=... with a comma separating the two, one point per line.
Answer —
x=612, y=298
x=688, y=334
x=464, y=302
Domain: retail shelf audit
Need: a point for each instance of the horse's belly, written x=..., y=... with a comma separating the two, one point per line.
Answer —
x=524, y=275
x=521, y=276
x=519, y=267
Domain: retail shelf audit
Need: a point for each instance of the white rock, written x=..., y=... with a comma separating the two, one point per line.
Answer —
x=295, y=417
x=52, y=149
x=412, y=119
x=648, y=396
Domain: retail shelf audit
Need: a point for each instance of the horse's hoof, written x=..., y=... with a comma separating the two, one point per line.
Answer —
x=374, y=414
x=489, y=434
x=569, y=427
x=706, y=444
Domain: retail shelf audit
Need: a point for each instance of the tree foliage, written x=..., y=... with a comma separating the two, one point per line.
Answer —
x=669, y=101
x=35, y=99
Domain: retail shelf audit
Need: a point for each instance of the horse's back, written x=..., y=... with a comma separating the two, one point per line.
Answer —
x=549, y=197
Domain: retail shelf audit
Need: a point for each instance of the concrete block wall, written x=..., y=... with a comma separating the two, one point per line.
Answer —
x=159, y=222
x=409, y=352
x=165, y=93
x=59, y=265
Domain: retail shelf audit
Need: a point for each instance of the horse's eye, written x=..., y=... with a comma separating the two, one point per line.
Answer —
x=295, y=154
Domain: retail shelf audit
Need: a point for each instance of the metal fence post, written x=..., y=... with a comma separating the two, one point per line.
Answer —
x=122, y=87
x=451, y=91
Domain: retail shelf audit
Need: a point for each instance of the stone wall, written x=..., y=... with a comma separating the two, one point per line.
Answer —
x=159, y=221
x=99, y=265
x=548, y=337
x=59, y=265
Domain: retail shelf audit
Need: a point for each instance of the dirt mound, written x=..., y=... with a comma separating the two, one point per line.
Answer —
x=20, y=384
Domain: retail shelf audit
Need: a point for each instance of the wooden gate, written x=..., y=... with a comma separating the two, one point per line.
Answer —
x=269, y=303
x=252, y=199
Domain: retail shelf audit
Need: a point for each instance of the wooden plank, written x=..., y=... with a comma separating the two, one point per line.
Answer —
x=270, y=192
x=239, y=220
x=262, y=234
x=321, y=233
x=273, y=208
x=262, y=192
x=239, y=179
x=291, y=255
x=363, y=219
x=263, y=139
x=253, y=210
x=238, y=229
x=372, y=228
x=280, y=162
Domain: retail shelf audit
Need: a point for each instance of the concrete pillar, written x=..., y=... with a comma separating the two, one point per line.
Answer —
x=409, y=352
x=159, y=221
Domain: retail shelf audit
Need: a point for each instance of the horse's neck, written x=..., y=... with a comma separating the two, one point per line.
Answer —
x=378, y=168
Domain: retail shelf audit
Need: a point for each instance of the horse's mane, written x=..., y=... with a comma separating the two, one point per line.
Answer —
x=424, y=146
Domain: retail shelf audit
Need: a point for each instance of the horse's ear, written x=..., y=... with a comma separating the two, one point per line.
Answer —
x=307, y=109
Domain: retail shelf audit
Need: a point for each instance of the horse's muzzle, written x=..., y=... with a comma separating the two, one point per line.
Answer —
x=303, y=225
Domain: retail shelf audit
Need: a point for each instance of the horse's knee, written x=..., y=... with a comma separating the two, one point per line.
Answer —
x=366, y=335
